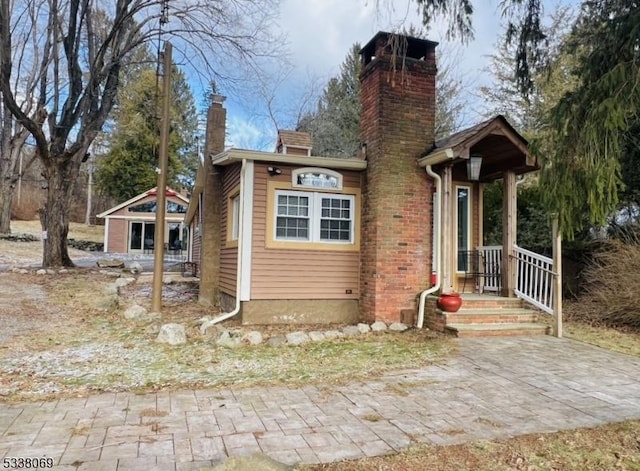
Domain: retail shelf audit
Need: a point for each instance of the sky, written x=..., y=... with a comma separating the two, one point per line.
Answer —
x=319, y=34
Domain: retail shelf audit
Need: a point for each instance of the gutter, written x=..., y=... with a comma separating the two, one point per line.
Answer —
x=227, y=315
x=437, y=227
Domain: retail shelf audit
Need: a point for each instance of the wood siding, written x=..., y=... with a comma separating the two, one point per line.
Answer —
x=229, y=253
x=298, y=274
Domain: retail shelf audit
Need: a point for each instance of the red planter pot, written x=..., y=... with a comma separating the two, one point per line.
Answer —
x=450, y=302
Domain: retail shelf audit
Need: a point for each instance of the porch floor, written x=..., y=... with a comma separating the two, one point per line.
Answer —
x=488, y=314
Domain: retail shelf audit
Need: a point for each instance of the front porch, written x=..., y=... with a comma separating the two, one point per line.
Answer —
x=505, y=288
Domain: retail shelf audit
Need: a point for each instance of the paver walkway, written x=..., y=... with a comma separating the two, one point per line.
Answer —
x=492, y=388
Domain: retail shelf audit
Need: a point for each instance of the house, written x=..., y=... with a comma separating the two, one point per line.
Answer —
x=130, y=226
x=291, y=237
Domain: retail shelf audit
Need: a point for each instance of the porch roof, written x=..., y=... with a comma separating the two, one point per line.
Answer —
x=501, y=146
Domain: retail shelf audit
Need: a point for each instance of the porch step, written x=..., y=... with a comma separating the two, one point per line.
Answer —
x=486, y=315
x=503, y=329
x=516, y=315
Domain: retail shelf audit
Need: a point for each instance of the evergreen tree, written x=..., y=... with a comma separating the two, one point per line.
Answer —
x=129, y=167
x=335, y=124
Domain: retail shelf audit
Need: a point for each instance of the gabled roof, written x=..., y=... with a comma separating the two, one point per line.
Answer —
x=495, y=135
x=465, y=135
x=294, y=139
x=152, y=192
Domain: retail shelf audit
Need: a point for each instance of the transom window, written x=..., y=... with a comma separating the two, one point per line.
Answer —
x=312, y=177
x=314, y=217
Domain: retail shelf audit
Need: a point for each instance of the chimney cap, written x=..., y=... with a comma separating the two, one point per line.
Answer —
x=415, y=48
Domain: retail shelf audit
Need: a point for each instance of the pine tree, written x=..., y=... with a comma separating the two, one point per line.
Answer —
x=129, y=167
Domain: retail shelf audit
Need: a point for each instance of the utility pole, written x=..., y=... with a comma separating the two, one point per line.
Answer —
x=161, y=194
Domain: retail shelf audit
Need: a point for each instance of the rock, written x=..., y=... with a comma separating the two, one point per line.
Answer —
x=276, y=340
x=364, y=328
x=135, y=312
x=398, y=327
x=62, y=271
x=107, y=302
x=135, y=267
x=350, y=331
x=256, y=462
x=173, y=334
x=208, y=325
x=378, y=326
x=253, y=338
x=229, y=338
x=42, y=271
x=110, y=289
x=110, y=263
x=124, y=281
x=50, y=271
x=316, y=336
x=297, y=338
x=22, y=271
x=333, y=334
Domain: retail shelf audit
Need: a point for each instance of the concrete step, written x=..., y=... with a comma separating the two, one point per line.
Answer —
x=491, y=315
x=507, y=329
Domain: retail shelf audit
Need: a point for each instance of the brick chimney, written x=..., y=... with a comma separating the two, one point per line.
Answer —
x=212, y=205
x=397, y=127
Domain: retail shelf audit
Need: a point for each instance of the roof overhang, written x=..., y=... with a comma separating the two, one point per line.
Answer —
x=437, y=157
x=238, y=155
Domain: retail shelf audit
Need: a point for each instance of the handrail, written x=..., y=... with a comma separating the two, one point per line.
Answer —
x=534, y=278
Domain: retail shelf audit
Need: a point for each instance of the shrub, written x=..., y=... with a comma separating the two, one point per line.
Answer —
x=612, y=286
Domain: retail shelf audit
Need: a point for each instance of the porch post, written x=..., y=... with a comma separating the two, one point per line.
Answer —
x=509, y=224
x=557, y=279
x=446, y=235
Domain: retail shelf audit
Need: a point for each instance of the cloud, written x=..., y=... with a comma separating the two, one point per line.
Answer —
x=245, y=134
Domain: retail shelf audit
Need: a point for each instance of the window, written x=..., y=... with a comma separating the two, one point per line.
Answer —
x=335, y=220
x=314, y=217
x=312, y=177
x=464, y=226
x=235, y=217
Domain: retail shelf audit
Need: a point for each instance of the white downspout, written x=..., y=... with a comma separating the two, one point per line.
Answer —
x=227, y=315
x=437, y=227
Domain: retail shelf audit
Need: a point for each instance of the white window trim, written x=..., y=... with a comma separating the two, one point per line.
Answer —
x=326, y=171
x=315, y=216
x=469, y=222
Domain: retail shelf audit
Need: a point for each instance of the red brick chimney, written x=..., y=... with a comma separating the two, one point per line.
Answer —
x=397, y=127
x=212, y=205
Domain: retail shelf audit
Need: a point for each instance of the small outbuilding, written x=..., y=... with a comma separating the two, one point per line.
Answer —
x=130, y=226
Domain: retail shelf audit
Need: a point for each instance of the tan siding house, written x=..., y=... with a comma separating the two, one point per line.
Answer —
x=292, y=237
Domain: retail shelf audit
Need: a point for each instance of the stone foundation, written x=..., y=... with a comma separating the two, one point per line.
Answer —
x=300, y=311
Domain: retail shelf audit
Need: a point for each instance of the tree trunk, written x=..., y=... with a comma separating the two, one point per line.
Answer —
x=6, y=197
x=54, y=217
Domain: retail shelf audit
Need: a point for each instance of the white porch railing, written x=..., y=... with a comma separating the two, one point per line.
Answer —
x=534, y=278
x=491, y=260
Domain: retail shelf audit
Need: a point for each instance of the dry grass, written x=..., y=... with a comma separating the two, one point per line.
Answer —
x=87, y=350
x=603, y=448
x=615, y=339
x=76, y=230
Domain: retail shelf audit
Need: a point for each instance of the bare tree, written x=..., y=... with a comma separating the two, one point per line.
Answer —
x=79, y=47
x=14, y=135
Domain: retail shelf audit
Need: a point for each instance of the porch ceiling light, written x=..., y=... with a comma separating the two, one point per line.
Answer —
x=473, y=167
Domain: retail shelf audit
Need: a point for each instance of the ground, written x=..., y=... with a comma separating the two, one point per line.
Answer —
x=54, y=343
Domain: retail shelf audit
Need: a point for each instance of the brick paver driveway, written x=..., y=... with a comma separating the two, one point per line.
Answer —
x=492, y=388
